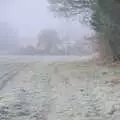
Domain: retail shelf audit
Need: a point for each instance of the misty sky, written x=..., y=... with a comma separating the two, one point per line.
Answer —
x=28, y=17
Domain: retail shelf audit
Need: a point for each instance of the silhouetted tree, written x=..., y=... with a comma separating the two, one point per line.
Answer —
x=48, y=40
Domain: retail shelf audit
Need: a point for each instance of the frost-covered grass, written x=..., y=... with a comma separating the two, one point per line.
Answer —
x=86, y=91
x=62, y=90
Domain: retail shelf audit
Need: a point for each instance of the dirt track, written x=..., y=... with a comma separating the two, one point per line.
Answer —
x=61, y=91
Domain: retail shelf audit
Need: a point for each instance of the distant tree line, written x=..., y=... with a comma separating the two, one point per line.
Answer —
x=49, y=43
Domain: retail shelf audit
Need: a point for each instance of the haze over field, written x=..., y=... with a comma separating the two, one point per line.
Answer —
x=29, y=17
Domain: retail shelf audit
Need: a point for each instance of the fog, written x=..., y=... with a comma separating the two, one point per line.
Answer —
x=29, y=17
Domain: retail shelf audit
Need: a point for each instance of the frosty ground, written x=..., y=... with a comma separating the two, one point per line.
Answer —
x=58, y=90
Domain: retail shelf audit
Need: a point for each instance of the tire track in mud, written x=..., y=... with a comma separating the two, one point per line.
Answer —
x=31, y=96
x=42, y=95
x=7, y=76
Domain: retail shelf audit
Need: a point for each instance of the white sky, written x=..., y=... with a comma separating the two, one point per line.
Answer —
x=28, y=17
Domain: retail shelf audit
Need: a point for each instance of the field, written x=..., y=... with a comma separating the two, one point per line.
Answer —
x=34, y=89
